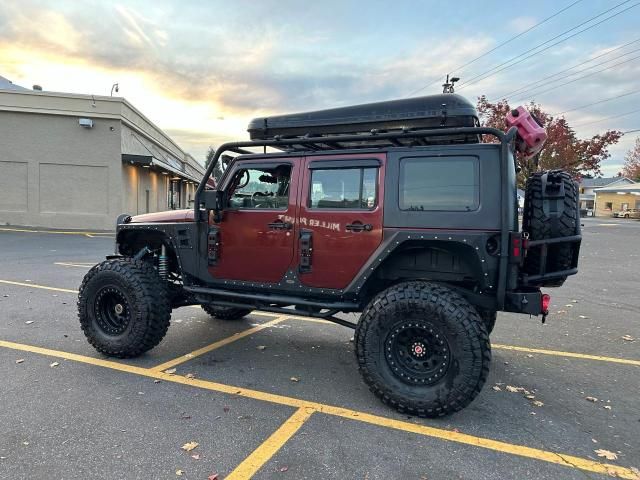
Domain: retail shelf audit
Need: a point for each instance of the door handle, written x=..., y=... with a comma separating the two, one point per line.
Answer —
x=280, y=225
x=358, y=227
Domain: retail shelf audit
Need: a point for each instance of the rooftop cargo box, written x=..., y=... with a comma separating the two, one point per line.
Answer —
x=430, y=112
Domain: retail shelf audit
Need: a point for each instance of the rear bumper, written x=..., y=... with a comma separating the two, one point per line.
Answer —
x=524, y=302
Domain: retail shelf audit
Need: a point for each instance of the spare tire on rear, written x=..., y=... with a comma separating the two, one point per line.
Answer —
x=546, y=218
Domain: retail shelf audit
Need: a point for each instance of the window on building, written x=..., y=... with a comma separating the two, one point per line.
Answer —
x=439, y=183
x=260, y=188
x=608, y=206
x=351, y=188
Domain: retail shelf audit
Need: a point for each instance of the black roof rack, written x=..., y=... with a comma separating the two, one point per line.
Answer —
x=363, y=124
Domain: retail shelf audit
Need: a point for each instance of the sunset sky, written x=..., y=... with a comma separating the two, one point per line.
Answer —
x=202, y=69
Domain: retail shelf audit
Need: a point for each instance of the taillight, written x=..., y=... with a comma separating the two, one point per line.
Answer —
x=517, y=248
x=545, y=301
x=516, y=245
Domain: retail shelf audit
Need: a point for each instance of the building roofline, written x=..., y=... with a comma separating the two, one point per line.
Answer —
x=633, y=187
x=95, y=99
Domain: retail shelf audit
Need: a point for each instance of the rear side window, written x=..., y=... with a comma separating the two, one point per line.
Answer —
x=439, y=183
x=350, y=188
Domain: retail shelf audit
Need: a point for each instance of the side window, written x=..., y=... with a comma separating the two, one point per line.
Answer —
x=351, y=188
x=260, y=188
x=439, y=183
x=608, y=205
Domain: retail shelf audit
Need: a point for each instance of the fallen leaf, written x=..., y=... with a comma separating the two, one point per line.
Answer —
x=29, y=322
x=156, y=381
x=529, y=397
x=187, y=447
x=25, y=443
x=190, y=375
x=20, y=360
x=195, y=456
x=561, y=311
x=284, y=469
x=261, y=347
x=294, y=379
x=225, y=409
x=606, y=454
x=582, y=316
x=54, y=364
x=574, y=301
x=179, y=473
x=628, y=338
x=514, y=389
x=171, y=371
x=497, y=388
x=607, y=407
x=591, y=399
x=569, y=305
x=537, y=403
x=529, y=356
x=213, y=476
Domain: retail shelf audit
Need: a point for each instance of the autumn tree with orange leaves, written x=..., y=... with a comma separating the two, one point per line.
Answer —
x=563, y=150
x=631, y=167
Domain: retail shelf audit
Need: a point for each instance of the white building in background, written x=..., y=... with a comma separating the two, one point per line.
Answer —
x=78, y=161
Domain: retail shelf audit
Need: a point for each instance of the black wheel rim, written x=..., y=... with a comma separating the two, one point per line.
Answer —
x=112, y=311
x=417, y=353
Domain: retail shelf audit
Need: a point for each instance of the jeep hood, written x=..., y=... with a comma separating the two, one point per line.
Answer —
x=169, y=216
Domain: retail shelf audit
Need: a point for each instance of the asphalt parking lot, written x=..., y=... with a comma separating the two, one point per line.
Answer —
x=273, y=396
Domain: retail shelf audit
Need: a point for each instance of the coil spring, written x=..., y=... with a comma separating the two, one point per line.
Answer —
x=163, y=264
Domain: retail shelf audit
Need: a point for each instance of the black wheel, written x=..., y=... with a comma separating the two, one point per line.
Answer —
x=123, y=307
x=422, y=349
x=489, y=318
x=226, y=313
x=541, y=225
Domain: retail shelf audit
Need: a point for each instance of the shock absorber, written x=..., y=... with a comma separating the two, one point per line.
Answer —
x=163, y=263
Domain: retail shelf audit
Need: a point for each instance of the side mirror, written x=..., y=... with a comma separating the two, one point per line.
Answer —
x=213, y=199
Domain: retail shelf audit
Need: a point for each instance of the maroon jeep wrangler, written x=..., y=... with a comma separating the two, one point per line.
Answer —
x=396, y=210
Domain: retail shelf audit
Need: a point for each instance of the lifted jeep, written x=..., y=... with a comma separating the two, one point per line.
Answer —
x=396, y=210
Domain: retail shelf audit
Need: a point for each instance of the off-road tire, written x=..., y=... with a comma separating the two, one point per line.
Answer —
x=540, y=226
x=425, y=306
x=143, y=299
x=226, y=313
x=489, y=318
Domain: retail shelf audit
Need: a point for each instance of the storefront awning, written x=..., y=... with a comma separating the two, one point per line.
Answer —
x=150, y=161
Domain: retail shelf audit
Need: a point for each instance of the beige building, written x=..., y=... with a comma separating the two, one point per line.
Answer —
x=613, y=199
x=78, y=161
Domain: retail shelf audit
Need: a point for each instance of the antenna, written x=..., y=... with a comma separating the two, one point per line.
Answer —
x=447, y=87
x=114, y=87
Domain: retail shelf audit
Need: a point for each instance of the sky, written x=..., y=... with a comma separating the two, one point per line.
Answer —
x=201, y=69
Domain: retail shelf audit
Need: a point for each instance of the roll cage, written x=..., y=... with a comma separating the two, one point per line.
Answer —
x=376, y=139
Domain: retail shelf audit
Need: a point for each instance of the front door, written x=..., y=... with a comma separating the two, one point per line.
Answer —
x=257, y=231
x=340, y=209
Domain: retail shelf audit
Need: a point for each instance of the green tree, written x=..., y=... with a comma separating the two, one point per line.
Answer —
x=220, y=166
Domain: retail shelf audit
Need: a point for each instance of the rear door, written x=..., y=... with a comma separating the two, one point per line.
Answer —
x=340, y=217
x=257, y=231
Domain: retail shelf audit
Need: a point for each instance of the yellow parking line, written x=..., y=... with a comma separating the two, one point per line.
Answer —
x=462, y=438
x=270, y=446
x=498, y=346
x=220, y=343
x=35, y=285
x=557, y=353
x=59, y=232
x=81, y=265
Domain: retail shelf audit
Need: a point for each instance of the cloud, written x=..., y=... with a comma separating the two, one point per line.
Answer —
x=520, y=24
x=187, y=64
